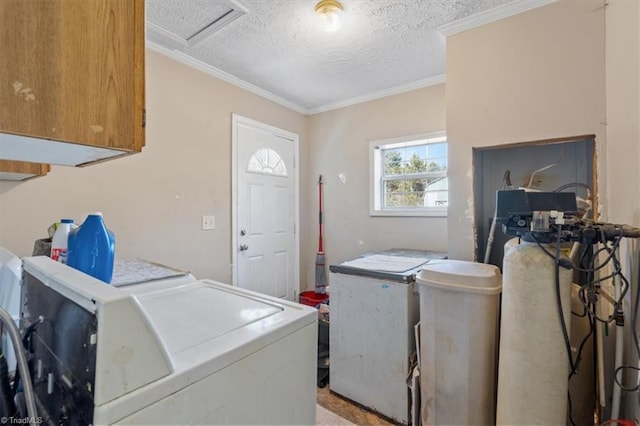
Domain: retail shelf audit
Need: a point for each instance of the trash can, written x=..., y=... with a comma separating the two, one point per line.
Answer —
x=459, y=307
x=323, y=352
x=311, y=298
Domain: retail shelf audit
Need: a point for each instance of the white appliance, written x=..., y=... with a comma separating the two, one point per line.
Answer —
x=10, y=275
x=176, y=351
x=374, y=308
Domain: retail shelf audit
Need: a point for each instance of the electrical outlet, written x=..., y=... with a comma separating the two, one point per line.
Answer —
x=208, y=223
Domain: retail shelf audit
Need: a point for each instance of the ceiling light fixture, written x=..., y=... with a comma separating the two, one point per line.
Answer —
x=330, y=12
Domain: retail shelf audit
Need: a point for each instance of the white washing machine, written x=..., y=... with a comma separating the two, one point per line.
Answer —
x=374, y=309
x=168, y=352
x=10, y=275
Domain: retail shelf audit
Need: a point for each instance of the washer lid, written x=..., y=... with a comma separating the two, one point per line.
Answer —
x=188, y=316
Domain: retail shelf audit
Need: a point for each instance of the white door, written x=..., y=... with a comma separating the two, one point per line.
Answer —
x=265, y=243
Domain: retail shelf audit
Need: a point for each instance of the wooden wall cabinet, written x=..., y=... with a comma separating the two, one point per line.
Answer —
x=20, y=170
x=71, y=71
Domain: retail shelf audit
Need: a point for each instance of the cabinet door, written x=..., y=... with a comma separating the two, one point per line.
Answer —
x=20, y=170
x=73, y=70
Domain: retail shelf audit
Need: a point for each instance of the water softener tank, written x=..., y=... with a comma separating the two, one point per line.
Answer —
x=533, y=366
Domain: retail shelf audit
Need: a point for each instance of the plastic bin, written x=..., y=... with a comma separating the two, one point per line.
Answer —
x=311, y=298
x=459, y=307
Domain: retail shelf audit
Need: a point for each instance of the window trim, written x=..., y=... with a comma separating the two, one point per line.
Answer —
x=375, y=178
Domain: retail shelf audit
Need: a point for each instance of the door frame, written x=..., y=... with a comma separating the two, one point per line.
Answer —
x=236, y=120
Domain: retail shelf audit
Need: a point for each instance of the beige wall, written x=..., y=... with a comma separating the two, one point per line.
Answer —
x=623, y=110
x=537, y=75
x=339, y=143
x=623, y=156
x=153, y=201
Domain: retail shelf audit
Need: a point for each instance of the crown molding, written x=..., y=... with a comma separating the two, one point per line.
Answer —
x=491, y=15
x=156, y=34
x=419, y=84
x=225, y=76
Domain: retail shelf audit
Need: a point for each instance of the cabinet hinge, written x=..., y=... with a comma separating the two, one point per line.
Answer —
x=144, y=118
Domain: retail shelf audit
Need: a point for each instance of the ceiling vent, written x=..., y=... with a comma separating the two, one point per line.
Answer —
x=177, y=24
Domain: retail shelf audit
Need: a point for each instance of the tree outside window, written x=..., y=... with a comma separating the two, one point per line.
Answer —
x=409, y=176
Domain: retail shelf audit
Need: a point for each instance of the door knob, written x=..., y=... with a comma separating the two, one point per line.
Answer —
x=244, y=247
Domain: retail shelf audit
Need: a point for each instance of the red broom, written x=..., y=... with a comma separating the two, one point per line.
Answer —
x=321, y=278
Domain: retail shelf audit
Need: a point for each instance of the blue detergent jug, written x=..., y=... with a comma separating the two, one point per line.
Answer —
x=92, y=248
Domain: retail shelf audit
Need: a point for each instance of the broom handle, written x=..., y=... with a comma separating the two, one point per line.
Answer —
x=320, y=250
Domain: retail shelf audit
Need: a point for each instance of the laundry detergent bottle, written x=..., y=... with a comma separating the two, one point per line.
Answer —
x=60, y=241
x=92, y=248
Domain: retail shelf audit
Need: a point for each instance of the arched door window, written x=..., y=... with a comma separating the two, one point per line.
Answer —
x=268, y=162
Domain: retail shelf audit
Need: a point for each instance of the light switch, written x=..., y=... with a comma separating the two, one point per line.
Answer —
x=208, y=223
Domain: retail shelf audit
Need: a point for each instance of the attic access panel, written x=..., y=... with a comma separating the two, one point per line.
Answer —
x=179, y=23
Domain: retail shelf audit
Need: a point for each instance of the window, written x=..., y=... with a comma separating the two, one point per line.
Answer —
x=409, y=176
x=266, y=161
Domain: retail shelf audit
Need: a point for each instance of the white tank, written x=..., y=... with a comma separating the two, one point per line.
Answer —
x=533, y=365
x=582, y=385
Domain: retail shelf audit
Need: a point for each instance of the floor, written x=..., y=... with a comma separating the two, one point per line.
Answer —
x=325, y=417
x=346, y=409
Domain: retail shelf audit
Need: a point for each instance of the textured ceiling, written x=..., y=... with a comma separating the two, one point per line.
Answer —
x=278, y=46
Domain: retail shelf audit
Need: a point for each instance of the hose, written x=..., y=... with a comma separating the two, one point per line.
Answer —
x=7, y=320
x=574, y=185
x=506, y=179
x=600, y=350
x=492, y=231
x=615, y=402
x=542, y=169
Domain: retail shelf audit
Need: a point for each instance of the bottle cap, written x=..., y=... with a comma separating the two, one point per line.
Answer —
x=66, y=221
